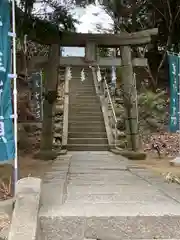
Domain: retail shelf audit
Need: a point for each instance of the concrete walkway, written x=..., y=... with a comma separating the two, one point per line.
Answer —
x=102, y=195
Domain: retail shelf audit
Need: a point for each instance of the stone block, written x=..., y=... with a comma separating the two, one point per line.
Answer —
x=24, y=223
x=62, y=228
x=137, y=227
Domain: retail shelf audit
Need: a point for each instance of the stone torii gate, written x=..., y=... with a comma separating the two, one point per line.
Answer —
x=91, y=42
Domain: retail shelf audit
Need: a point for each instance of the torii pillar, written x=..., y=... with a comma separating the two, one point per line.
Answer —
x=130, y=101
x=90, y=52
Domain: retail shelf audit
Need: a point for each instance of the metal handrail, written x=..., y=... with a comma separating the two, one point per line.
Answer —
x=110, y=100
x=106, y=88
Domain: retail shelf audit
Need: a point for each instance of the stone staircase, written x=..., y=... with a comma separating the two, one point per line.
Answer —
x=86, y=128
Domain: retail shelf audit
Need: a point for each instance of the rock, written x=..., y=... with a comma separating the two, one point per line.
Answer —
x=59, y=109
x=58, y=119
x=63, y=152
x=32, y=127
x=58, y=128
x=119, y=111
x=175, y=162
x=153, y=123
x=122, y=144
x=121, y=124
x=121, y=134
x=116, y=151
x=131, y=154
x=134, y=155
x=60, y=101
x=57, y=136
x=23, y=140
x=46, y=155
x=119, y=100
x=57, y=145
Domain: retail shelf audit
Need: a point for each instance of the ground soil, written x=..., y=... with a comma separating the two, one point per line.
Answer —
x=27, y=167
x=158, y=165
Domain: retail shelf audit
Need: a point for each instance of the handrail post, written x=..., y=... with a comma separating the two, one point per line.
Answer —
x=66, y=109
x=104, y=89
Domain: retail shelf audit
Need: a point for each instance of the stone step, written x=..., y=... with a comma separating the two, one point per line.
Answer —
x=80, y=99
x=75, y=83
x=81, y=87
x=79, y=107
x=112, y=221
x=82, y=96
x=84, y=129
x=83, y=92
x=87, y=134
x=78, y=78
x=91, y=105
x=92, y=124
x=75, y=78
x=85, y=114
x=87, y=147
x=85, y=101
x=87, y=141
x=88, y=108
x=90, y=95
x=86, y=111
x=75, y=118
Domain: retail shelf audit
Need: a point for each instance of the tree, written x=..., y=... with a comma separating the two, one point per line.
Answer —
x=36, y=27
x=167, y=19
x=135, y=15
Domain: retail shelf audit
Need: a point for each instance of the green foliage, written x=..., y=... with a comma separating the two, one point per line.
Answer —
x=152, y=104
x=118, y=72
x=104, y=52
x=37, y=27
x=167, y=18
x=129, y=15
x=135, y=15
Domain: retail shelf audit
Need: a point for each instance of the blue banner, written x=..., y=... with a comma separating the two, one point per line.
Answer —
x=174, y=75
x=7, y=146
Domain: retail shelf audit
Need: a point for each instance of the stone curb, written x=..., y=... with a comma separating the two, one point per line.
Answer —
x=24, y=224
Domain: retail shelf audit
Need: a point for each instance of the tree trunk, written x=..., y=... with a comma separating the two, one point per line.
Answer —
x=129, y=92
x=51, y=80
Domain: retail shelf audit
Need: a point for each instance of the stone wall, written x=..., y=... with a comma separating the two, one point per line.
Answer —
x=58, y=116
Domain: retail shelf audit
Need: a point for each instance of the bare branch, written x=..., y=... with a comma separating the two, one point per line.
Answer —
x=158, y=10
x=177, y=14
x=170, y=13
